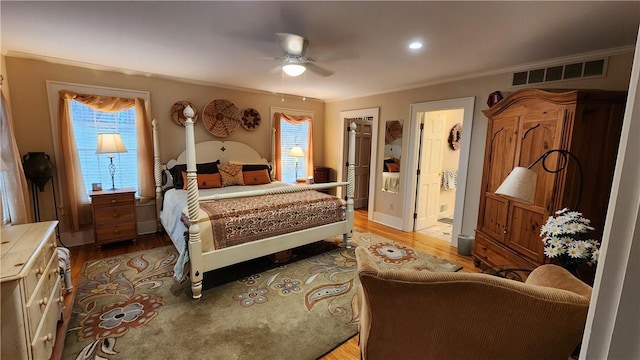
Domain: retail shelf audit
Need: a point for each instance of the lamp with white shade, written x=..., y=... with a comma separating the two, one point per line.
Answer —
x=110, y=144
x=296, y=152
x=520, y=184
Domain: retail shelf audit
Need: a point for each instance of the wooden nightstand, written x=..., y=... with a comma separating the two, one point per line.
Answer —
x=114, y=215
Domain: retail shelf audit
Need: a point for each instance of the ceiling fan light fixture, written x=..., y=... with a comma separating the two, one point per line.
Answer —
x=293, y=69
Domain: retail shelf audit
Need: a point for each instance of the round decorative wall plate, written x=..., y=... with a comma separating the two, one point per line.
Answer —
x=250, y=119
x=221, y=117
x=177, y=114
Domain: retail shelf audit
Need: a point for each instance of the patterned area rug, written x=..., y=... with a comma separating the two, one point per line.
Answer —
x=130, y=306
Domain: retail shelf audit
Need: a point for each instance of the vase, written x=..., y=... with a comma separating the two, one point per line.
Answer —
x=38, y=168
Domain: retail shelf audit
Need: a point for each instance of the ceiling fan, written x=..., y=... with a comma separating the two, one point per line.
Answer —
x=295, y=62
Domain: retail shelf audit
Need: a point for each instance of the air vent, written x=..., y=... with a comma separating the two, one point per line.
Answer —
x=576, y=70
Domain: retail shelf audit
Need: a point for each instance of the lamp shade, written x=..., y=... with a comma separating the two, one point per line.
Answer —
x=296, y=151
x=520, y=185
x=293, y=69
x=110, y=144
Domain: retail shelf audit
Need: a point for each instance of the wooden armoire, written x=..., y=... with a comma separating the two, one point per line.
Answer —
x=522, y=127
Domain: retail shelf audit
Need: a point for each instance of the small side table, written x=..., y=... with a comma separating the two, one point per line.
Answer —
x=114, y=215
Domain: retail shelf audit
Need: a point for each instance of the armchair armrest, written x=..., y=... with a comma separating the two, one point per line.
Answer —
x=556, y=277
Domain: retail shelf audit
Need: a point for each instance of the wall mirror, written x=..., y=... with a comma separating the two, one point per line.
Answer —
x=392, y=153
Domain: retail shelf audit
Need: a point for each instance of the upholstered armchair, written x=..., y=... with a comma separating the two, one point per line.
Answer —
x=407, y=314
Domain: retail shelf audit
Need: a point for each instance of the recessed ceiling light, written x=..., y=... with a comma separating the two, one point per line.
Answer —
x=415, y=45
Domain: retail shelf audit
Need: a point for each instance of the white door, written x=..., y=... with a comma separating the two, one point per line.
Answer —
x=429, y=169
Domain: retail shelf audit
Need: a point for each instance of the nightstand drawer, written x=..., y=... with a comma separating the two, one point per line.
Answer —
x=113, y=199
x=114, y=214
x=116, y=232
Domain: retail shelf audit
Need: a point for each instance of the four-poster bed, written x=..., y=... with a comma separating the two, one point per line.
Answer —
x=313, y=217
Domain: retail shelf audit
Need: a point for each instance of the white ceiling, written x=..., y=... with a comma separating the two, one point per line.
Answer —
x=363, y=43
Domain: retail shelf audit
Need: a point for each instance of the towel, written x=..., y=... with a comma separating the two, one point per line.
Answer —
x=64, y=262
x=449, y=179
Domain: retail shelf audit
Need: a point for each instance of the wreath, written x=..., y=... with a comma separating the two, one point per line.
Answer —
x=455, y=136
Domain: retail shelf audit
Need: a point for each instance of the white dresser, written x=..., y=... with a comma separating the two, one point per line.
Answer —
x=31, y=294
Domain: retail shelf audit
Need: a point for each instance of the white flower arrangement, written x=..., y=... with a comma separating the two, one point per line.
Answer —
x=562, y=238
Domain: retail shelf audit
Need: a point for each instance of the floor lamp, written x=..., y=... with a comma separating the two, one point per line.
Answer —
x=296, y=152
x=520, y=185
x=110, y=144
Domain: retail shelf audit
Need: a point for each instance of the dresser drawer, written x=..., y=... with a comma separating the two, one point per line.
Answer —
x=113, y=199
x=114, y=214
x=45, y=336
x=492, y=254
x=116, y=232
x=45, y=292
x=39, y=265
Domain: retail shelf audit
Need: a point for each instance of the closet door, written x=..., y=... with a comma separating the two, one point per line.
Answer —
x=500, y=160
x=539, y=132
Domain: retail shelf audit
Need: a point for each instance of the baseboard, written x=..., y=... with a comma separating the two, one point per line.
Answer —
x=387, y=220
x=82, y=237
x=147, y=227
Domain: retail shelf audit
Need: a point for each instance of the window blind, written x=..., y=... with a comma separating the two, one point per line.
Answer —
x=290, y=136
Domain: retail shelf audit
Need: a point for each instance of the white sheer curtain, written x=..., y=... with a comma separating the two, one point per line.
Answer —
x=16, y=208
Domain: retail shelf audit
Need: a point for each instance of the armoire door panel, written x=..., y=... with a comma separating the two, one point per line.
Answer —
x=540, y=133
x=503, y=147
x=524, y=231
x=495, y=216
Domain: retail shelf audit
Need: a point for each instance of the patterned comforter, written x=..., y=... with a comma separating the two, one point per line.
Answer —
x=230, y=222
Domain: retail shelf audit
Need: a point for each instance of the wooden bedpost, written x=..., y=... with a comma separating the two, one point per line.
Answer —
x=193, y=206
x=157, y=172
x=351, y=178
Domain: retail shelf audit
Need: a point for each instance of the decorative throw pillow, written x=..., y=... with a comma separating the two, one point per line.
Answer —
x=205, y=181
x=231, y=174
x=204, y=168
x=256, y=177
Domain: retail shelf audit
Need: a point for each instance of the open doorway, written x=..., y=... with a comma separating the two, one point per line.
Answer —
x=438, y=165
x=438, y=154
x=366, y=121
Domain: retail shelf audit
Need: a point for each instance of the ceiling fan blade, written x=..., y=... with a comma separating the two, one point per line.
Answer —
x=292, y=44
x=318, y=70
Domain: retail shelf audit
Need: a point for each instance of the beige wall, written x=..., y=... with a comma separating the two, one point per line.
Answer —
x=396, y=105
x=32, y=123
x=33, y=130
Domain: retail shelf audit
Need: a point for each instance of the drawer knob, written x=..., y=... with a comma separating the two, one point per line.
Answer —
x=61, y=299
x=116, y=231
x=40, y=271
x=47, y=338
x=484, y=247
x=115, y=215
x=44, y=301
x=113, y=201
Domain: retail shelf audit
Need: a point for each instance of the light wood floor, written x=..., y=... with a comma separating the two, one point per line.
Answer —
x=347, y=351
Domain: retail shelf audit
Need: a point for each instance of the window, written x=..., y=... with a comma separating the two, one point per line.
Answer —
x=293, y=135
x=87, y=124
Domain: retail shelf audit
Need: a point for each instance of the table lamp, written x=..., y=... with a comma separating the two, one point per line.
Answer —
x=110, y=144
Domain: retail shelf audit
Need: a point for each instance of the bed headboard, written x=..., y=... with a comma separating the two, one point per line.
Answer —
x=225, y=151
